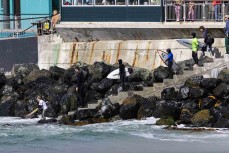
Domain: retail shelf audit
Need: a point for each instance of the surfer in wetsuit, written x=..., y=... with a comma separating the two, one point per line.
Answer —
x=80, y=86
x=122, y=74
x=170, y=62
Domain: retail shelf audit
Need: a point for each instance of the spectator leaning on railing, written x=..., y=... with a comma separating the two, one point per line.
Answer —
x=191, y=12
x=227, y=33
x=217, y=4
x=177, y=9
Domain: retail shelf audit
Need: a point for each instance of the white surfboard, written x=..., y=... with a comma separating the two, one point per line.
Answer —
x=164, y=56
x=115, y=74
x=188, y=43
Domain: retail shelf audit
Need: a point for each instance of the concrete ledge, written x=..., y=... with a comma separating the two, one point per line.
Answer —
x=140, y=25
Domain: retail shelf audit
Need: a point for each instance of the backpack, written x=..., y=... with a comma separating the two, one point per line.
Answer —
x=210, y=40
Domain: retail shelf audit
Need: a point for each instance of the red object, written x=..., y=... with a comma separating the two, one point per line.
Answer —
x=216, y=2
x=67, y=3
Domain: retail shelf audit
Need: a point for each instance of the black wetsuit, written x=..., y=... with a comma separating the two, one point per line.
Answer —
x=122, y=74
x=80, y=85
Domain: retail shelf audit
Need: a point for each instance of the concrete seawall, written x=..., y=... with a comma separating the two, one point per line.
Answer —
x=138, y=53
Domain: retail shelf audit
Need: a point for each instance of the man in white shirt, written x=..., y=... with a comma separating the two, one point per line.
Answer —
x=42, y=106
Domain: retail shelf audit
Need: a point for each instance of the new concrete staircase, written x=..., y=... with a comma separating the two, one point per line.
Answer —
x=177, y=81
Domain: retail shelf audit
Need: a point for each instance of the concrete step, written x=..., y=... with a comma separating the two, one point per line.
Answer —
x=169, y=82
x=92, y=106
x=113, y=99
x=158, y=85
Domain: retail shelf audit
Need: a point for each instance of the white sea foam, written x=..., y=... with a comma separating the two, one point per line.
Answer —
x=17, y=120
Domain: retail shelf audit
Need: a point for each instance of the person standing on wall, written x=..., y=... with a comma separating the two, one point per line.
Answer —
x=226, y=18
x=170, y=62
x=208, y=40
x=80, y=86
x=122, y=74
x=177, y=9
x=195, y=46
x=216, y=4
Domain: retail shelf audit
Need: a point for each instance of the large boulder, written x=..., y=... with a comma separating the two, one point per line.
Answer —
x=165, y=109
x=129, y=108
x=224, y=75
x=99, y=70
x=210, y=83
x=147, y=108
x=160, y=73
x=202, y=118
x=103, y=86
x=6, y=90
x=208, y=102
x=56, y=72
x=107, y=109
x=2, y=80
x=168, y=121
x=92, y=96
x=66, y=120
x=21, y=108
x=113, y=90
x=7, y=104
x=183, y=92
x=139, y=75
x=190, y=105
x=35, y=74
x=222, y=123
x=221, y=90
x=206, y=59
x=193, y=81
x=185, y=116
x=169, y=94
x=225, y=111
x=85, y=114
x=23, y=69
x=68, y=103
x=197, y=93
x=68, y=75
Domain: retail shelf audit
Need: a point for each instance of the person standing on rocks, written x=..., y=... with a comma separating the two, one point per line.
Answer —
x=122, y=74
x=227, y=33
x=195, y=46
x=80, y=86
x=170, y=62
x=42, y=106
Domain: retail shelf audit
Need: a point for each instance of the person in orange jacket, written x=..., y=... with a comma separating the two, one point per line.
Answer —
x=216, y=4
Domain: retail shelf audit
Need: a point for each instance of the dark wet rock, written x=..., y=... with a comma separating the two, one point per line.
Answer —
x=221, y=90
x=23, y=69
x=138, y=88
x=21, y=108
x=210, y=83
x=185, y=116
x=206, y=59
x=224, y=75
x=92, y=95
x=148, y=83
x=85, y=114
x=99, y=70
x=35, y=74
x=134, y=86
x=107, y=109
x=193, y=81
x=7, y=104
x=190, y=105
x=169, y=94
x=139, y=75
x=165, y=109
x=168, y=121
x=197, y=93
x=115, y=118
x=160, y=73
x=56, y=72
x=90, y=121
x=113, y=90
x=222, y=123
x=103, y=86
x=147, y=108
x=15, y=81
x=6, y=90
x=183, y=92
x=129, y=108
x=202, y=118
x=208, y=102
x=216, y=113
x=68, y=103
x=47, y=121
x=72, y=89
x=225, y=111
x=66, y=120
x=2, y=80
x=68, y=75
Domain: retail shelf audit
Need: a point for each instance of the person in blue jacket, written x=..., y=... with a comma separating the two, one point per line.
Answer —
x=170, y=62
x=227, y=33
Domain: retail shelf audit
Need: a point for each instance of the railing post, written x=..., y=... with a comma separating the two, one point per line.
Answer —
x=184, y=11
x=204, y=11
x=165, y=4
x=223, y=11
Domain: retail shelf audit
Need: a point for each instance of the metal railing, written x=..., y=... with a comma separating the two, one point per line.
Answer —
x=17, y=26
x=203, y=10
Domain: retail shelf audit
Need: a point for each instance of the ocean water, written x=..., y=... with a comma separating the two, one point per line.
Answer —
x=133, y=136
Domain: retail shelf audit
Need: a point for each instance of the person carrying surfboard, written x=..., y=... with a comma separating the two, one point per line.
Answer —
x=122, y=74
x=170, y=62
x=195, y=46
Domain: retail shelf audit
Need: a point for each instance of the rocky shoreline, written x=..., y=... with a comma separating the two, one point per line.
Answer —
x=200, y=102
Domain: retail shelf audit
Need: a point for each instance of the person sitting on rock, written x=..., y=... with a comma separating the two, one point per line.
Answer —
x=122, y=74
x=80, y=86
x=42, y=106
x=170, y=62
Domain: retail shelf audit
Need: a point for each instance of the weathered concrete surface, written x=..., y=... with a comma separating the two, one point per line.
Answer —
x=138, y=53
